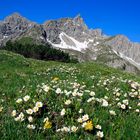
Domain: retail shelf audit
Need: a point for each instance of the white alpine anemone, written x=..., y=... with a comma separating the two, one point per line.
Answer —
x=100, y=134
x=67, y=102
x=26, y=98
x=63, y=112
x=85, y=117
x=39, y=104
x=29, y=111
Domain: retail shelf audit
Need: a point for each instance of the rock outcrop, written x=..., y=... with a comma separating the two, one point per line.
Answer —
x=73, y=36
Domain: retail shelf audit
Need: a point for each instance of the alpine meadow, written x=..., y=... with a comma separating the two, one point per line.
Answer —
x=70, y=70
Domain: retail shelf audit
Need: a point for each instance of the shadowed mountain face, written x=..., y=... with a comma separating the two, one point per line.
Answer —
x=73, y=36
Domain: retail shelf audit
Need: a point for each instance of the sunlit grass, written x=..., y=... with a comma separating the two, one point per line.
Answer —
x=50, y=100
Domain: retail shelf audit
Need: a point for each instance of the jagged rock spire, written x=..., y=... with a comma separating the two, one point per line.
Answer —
x=78, y=19
x=13, y=16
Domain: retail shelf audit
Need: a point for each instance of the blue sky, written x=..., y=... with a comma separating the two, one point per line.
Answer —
x=113, y=16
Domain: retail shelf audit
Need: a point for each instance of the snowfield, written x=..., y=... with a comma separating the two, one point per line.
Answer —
x=130, y=60
x=68, y=42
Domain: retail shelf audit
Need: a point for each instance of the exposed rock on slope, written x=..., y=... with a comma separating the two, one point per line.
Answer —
x=73, y=36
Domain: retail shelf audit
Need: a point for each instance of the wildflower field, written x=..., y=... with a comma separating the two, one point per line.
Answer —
x=58, y=101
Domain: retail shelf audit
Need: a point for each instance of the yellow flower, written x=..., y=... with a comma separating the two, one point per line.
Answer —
x=55, y=79
x=47, y=124
x=89, y=125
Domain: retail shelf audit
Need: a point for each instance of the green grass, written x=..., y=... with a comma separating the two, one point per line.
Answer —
x=20, y=77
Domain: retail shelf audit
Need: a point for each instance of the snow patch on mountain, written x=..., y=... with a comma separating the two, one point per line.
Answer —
x=41, y=37
x=68, y=42
x=5, y=36
x=96, y=43
x=130, y=60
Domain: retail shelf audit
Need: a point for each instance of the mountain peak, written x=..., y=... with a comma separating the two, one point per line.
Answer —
x=16, y=14
x=78, y=18
x=14, y=17
x=122, y=37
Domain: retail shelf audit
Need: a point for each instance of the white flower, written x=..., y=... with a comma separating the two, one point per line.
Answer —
x=125, y=102
x=106, y=97
x=130, y=107
x=119, y=104
x=84, y=124
x=125, y=95
x=117, y=99
x=29, y=111
x=19, y=100
x=2, y=100
x=118, y=94
x=107, y=89
x=74, y=128
x=46, y=119
x=92, y=93
x=123, y=106
x=89, y=100
x=85, y=117
x=74, y=93
x=21, y=115
x=65, y=129
x=135, y=93
x=100, y=134
x=104, y=103
x=30, y=119
x=58, y=91
x=134, y=85
x=133, y=90
x=1, y=108
x=98, y=100
x=58, y=130
x=46, y=88
x=30, y=126
x=14, y=112
x=26, y=98
x=68, y=93
x=138, y=104
x=17, y=118
x=88, y=91
x=80, y=120
x=131, y=94
x=35, y=109
x=22, y=119
x=112, y=112
x=63, y=112
x=98, y=127
x=67, y=102
x=65, y=91
x=137, y=110
x=39, y=104
x=81, y=111
x=80, y=94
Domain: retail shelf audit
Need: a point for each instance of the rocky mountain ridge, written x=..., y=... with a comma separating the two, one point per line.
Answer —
x=73, y=36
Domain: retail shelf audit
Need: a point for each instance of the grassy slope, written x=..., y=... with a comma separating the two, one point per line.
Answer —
x=20, y=76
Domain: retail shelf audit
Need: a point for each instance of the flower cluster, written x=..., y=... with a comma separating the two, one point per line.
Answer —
x=64, y=105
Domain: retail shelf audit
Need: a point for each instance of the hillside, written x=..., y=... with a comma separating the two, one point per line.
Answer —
x=52, y=100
